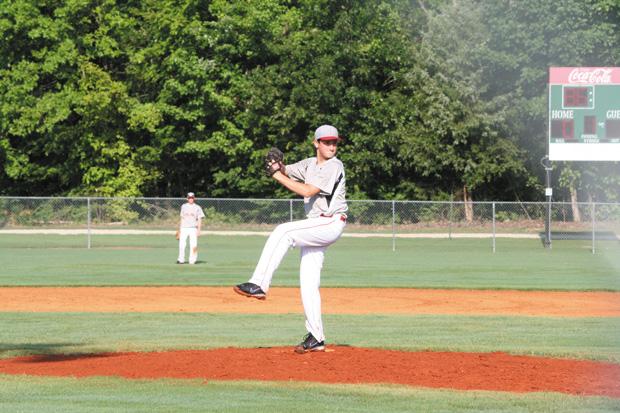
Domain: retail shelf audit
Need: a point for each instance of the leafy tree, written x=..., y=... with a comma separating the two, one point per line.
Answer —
x=65, y=110
x=435, y=98
x=499, y=54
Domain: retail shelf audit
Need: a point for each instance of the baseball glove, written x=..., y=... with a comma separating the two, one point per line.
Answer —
x=177, y=235
x=274, y=161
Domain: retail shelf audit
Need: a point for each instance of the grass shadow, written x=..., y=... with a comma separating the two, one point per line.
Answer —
x=41, y=352
x=46, y=358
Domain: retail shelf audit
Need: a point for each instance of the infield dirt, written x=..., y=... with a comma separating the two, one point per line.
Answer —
x=334, y=301
x=339, y=364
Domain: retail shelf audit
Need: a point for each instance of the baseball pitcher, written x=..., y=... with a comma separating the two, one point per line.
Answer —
x=189, y=227
x=321, y=181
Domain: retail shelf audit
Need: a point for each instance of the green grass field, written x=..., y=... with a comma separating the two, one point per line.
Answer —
x=67, y=395
x=352, y=262
x=62, y=333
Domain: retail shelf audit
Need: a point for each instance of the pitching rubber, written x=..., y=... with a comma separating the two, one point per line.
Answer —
x=300, y=349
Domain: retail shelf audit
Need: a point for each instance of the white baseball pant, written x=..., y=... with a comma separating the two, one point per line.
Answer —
x=192, y=233
x=313, y=236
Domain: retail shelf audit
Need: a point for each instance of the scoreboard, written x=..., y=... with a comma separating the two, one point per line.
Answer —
x=584, y=113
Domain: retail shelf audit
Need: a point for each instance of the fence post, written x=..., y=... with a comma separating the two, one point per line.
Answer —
x=290, y=210
x=88, y=215
x=593, y=212
x=493, y=227
x=393, y=225
x=546, y=163
x=450, y=220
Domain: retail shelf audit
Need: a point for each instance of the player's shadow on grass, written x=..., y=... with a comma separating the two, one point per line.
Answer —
x=46, y=358
x=41, y=352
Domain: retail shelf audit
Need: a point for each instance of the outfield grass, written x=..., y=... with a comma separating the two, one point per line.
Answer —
x=64, y=333
x=351, y=262
x=67, y=395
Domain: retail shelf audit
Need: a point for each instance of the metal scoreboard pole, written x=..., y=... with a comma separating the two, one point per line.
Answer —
x=546, y=163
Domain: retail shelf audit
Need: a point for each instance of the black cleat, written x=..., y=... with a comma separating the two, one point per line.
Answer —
x=179, y=262
x=250, y=290
x=309, y=344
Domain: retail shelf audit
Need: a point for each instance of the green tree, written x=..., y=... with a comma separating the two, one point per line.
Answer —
x=65, y=109
x=353, y=64
x=436, y=99
x=499, y=54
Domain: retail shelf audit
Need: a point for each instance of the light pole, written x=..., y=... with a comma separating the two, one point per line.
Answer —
x=546, y=163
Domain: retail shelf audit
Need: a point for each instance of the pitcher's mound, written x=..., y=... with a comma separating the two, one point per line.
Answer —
x=341, y=364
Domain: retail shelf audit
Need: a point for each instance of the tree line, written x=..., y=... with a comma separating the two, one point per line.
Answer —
x=435, y=99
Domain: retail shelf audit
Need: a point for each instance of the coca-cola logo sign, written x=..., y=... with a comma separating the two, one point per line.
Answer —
x=590, y=76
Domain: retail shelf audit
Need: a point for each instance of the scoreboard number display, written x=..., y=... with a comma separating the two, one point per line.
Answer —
x=584, y=113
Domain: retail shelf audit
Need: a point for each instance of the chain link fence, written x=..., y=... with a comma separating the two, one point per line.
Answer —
x=90, y=217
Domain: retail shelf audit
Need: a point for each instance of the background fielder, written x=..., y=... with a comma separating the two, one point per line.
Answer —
x=321, y=181
x=189, y=227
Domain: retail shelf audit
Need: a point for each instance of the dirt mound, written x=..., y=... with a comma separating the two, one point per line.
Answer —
x=341, y=364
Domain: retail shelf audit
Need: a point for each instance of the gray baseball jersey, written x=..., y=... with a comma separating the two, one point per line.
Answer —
x=329, y=178
x=191, y=214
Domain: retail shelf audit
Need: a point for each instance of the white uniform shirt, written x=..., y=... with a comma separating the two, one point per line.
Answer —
x=190, y=215
x=329, y=178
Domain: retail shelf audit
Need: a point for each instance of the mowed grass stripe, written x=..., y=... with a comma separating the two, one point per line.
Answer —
x=66, y=333
x=351, y=262
x=68, y=395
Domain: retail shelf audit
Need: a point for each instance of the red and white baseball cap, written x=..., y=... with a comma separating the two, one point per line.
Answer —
x=326, y=133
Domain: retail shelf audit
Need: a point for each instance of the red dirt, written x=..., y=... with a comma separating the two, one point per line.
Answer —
x=334, y=301
x=340, y=364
